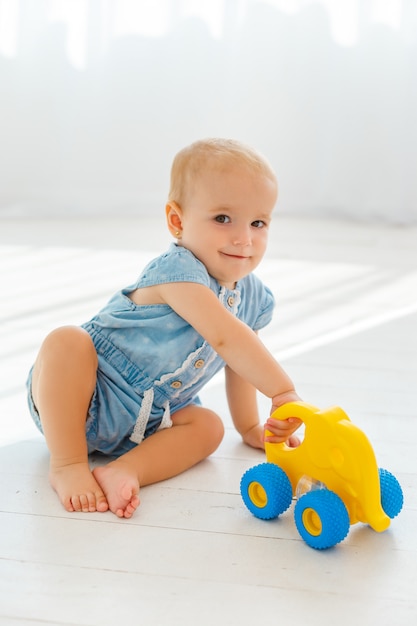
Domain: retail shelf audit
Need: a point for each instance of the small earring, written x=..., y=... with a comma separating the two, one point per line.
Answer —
x=177, y=234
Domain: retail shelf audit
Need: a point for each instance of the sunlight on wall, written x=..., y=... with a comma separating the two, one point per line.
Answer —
x=345, y=15
x=155, y=18
x=75, y=15
x=97, y=95
x=9, y=14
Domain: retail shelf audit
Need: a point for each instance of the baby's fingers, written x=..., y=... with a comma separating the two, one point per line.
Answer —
x=280, y=430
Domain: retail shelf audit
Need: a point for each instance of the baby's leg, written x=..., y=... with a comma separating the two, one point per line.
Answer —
x=195, y=434
x=63, y=382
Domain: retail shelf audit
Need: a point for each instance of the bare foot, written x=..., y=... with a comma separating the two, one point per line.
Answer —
x=77, y=488
x=121, y=487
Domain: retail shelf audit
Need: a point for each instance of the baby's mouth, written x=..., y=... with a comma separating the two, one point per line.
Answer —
x=234, y=256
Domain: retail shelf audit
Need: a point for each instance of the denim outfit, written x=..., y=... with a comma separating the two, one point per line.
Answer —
x=151, y=362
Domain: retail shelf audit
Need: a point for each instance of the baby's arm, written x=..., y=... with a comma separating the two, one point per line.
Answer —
x=234, y=341
x=243, y=406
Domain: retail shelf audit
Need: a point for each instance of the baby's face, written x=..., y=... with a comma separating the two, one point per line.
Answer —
x=225, y=221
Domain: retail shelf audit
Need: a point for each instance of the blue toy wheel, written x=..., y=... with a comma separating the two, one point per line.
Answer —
x=321, y=518
x=392, y=498
x=266, y=490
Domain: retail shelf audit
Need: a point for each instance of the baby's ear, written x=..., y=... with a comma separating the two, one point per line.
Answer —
x=173, y=214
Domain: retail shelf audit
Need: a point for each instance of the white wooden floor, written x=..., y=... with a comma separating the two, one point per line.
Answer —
x=345, y=329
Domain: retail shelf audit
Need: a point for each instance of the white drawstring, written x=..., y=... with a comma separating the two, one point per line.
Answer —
x=143, y=416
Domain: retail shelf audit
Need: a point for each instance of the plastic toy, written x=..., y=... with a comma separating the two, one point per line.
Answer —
x=333, y=474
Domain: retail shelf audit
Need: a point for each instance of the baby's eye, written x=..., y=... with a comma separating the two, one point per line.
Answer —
x=258, y=224
x=222, y=219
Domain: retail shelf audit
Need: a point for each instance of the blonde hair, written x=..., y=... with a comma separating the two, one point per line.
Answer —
x=215, y=153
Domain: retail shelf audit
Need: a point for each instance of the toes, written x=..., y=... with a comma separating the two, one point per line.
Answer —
x=127, y=492
x=88, y=503
x=97, y=502
x=76, y=504
x=129, y=509
x=85, y=503
x=68, y=505
x=134, y=503
x=131, y=506
x=102, y=504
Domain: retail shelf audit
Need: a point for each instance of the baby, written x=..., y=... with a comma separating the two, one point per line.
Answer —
x=126, y=383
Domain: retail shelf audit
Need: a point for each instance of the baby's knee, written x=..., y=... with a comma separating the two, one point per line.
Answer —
x=207, y=428
x=215, y=430
x=68, y=339
x=67, y=343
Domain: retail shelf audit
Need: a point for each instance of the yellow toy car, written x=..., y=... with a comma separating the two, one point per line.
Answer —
x=333, y=474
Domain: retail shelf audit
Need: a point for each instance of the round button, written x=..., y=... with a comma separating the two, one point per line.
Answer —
x=199, y=363
x=176, y=384
x=230, y=300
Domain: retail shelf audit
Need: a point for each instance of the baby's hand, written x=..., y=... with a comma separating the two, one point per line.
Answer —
x=282, y=430
x=255, y=437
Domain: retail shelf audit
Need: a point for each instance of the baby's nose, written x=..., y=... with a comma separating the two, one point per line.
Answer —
x=242, y=237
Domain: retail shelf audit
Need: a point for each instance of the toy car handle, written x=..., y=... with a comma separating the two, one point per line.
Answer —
x=303, y=411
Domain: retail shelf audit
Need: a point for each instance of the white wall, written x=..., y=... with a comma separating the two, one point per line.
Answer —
x=93, y=128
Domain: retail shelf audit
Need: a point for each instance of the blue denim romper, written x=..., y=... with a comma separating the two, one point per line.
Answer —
x=151, y=362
